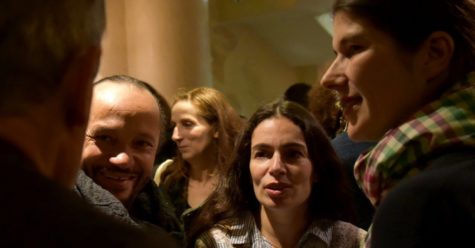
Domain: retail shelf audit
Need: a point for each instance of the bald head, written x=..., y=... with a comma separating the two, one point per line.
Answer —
x=122, y=138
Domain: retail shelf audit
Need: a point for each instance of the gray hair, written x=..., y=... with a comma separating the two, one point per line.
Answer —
x=38, y=38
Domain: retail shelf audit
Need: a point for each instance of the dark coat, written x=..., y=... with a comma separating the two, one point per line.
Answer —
x=435, y=208
x=37, y=212
x=348, y=151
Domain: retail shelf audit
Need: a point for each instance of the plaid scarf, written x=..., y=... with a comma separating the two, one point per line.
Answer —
x=404, y=151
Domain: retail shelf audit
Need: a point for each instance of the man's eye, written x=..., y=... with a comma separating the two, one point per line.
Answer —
x=101, y=138
x=143, y=144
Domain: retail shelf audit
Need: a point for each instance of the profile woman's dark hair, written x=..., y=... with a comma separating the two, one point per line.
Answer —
x=410, y=22
x=330, y=197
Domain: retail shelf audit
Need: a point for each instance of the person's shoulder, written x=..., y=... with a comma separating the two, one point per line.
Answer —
x=228, y=233
x=43, y=214
x=100, y=198
x=161, y=168
x=413, y=211
x=348, y=231
x=110, y=233
x=214, y=237
x=335, y=233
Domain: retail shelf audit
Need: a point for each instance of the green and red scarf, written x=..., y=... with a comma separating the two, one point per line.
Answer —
x=405, y=151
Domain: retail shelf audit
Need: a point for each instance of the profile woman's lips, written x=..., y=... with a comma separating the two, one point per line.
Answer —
x=350, y=104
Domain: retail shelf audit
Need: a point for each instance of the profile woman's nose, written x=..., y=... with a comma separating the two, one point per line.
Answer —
x=334, y=75
x=176, y=136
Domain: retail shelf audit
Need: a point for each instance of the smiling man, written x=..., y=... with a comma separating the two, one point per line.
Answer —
x=122, y=139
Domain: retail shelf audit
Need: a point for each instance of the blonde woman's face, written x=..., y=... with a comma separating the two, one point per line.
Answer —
x=192, y=134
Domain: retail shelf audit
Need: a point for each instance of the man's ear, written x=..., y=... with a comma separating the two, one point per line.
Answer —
x=77, y=80
x=438, y=51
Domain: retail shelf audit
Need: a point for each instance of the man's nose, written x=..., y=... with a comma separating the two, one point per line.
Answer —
x=121, y=159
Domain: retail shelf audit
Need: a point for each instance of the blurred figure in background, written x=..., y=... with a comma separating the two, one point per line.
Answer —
x=167, y=147
x=325, y=106
x=205, y=127
x=348, y=151
x=298, y=93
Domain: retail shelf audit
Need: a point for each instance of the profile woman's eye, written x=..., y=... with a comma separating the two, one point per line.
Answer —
x=353, y=49
x=187, y=123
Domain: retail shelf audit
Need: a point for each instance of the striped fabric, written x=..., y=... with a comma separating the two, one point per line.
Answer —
x=444, y=124
x=243, y=232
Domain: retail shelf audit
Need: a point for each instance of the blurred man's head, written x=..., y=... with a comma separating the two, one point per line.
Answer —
x=123, y=136
x=49, y=55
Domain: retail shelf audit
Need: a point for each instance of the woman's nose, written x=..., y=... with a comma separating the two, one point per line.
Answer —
x=334, y=77
x=277, y=167
x=176, y=136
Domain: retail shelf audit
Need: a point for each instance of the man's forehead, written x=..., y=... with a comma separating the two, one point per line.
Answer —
x=115, y=92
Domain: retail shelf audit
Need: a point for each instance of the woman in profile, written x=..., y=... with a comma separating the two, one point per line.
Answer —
x=286, y=188
x=404, y=73
x=205, y=128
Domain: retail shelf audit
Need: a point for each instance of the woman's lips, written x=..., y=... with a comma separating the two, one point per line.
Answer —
x=350, y=105
x=276, y=189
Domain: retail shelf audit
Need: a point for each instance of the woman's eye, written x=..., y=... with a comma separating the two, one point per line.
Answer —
x=187, y=123
x=353, y=49
x=294, y=155
x=262, y=154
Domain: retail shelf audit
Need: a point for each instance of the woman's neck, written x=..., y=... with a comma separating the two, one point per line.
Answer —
x=202, y=181
x=283, y=228
x=202, y=170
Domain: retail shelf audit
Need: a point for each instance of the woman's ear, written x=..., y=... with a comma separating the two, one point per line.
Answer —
x=216, y=134
x=438, y=51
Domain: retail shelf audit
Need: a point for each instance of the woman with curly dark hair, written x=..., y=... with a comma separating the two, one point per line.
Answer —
x=286, y=187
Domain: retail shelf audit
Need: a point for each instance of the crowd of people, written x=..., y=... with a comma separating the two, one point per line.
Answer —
x=380, y=153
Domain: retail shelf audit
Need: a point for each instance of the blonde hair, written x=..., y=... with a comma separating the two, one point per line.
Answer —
x=215, y=109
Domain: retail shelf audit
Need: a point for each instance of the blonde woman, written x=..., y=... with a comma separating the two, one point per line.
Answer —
x=205, y=128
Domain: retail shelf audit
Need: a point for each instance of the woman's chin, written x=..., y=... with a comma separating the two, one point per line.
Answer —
x=359, y=133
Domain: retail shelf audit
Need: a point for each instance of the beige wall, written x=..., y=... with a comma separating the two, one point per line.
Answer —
x=176, y=44
x=248, y=71
x=162, y=42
